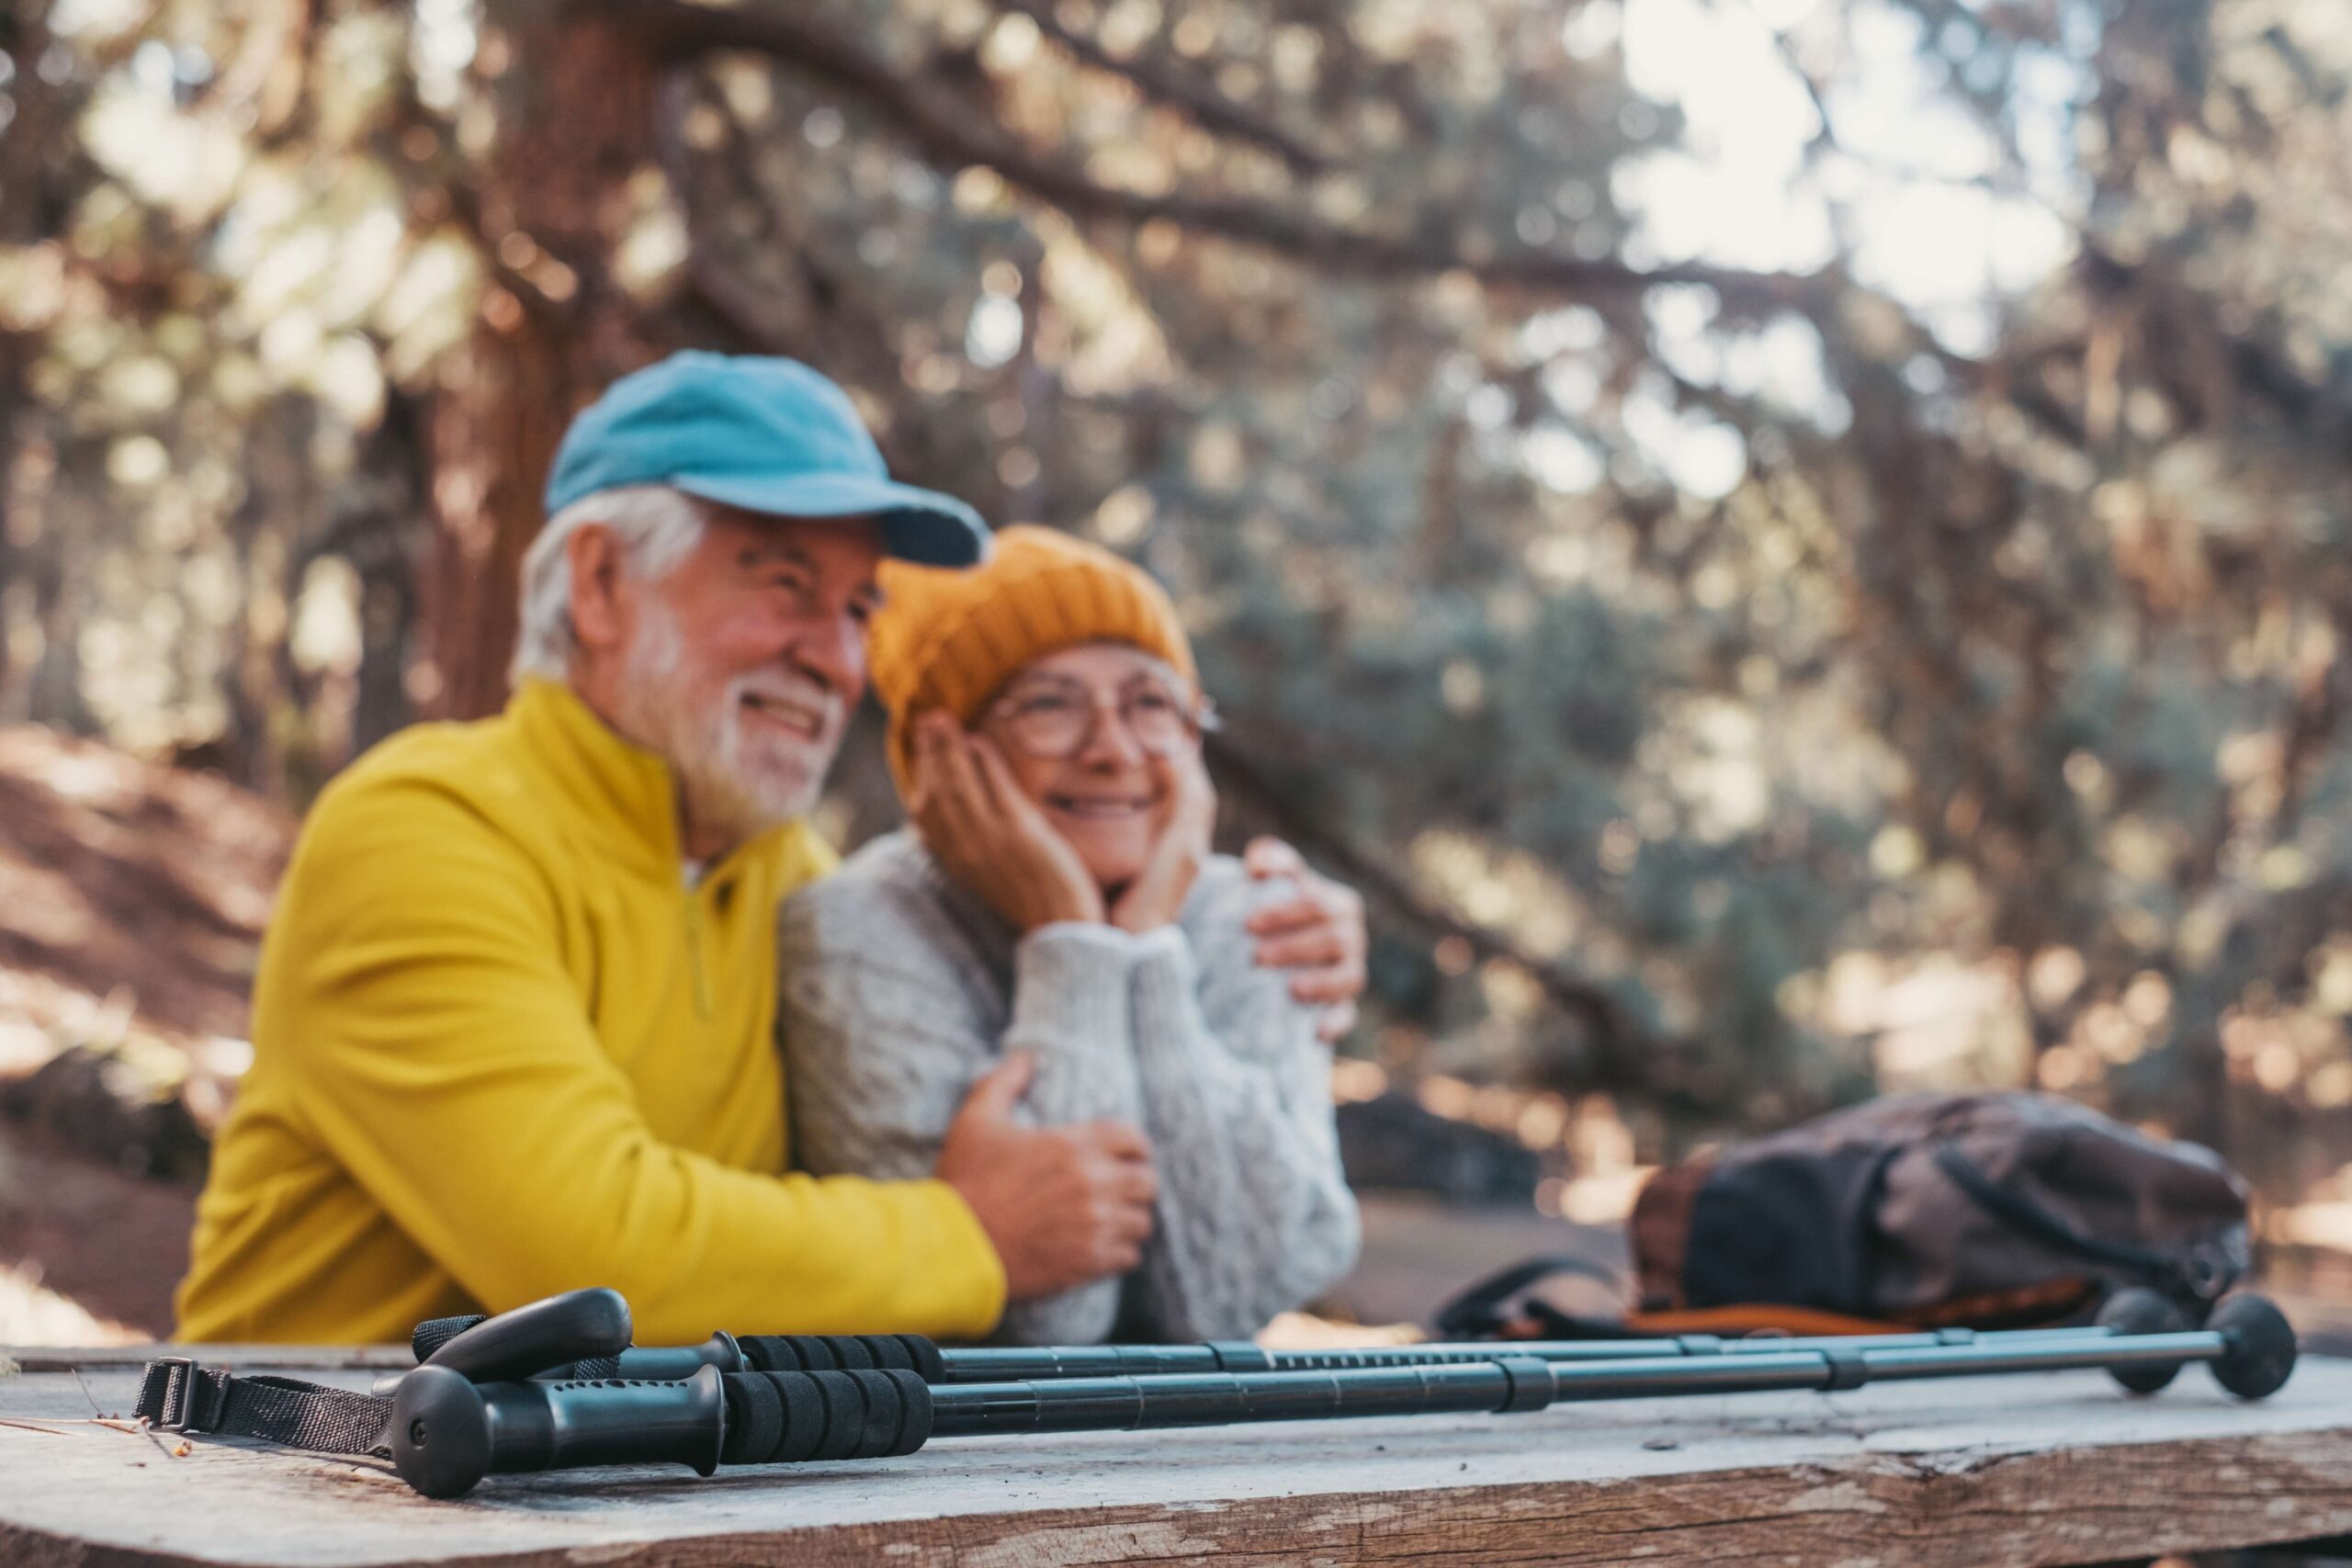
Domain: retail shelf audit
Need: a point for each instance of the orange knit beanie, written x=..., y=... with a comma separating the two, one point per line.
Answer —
x=948, y=638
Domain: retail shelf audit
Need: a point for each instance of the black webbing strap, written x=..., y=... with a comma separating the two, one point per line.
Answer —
x=435, y=1332
x=178, y=1395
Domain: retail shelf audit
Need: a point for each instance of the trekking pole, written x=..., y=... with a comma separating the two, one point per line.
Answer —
x=2128, y=1311
x=2136, y=1311
x=447, y=1432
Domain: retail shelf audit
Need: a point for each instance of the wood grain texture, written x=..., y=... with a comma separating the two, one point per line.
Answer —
x=2055, y=1469
x=293, y=1359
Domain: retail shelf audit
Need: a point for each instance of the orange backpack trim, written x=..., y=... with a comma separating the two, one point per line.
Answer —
x=2026, y=1305
x=1731, y=1322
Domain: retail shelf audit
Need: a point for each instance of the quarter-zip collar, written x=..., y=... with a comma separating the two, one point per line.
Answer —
x=624, y=795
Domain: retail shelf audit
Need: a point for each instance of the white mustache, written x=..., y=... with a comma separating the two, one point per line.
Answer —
x=790, y=691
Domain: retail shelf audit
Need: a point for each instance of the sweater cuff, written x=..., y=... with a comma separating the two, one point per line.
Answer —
x=1166, y=982
x=1070, y=980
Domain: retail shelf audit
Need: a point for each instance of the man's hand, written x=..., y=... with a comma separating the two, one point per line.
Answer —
x=1063, y=1206
x=1156, y=897
x=990, y=839
x=1317, y=934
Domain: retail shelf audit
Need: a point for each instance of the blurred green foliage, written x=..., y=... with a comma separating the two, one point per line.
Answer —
x=1739, y=667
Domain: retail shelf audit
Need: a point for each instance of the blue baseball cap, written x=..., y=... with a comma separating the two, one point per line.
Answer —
x=766, y=434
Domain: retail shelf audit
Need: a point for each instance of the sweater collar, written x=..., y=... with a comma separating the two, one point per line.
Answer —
x=627, y=794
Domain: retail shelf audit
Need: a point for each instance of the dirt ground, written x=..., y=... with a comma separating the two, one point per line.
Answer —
x=85, y=1249
x=132, y=898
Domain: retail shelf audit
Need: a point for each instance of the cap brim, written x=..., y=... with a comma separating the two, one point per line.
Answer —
x=918, y=525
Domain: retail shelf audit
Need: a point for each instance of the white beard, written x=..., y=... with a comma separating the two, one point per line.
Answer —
x=733, y=784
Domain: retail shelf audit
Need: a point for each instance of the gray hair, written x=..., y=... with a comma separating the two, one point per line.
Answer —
x=657, y=527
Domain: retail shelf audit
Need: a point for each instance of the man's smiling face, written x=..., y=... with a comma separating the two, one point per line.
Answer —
x=741, y=665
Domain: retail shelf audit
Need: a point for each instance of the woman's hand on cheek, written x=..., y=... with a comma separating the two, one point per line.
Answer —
x=989, y=838
x=1156, y=897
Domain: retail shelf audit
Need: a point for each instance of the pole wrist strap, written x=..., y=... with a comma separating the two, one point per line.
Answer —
x=178, y=1395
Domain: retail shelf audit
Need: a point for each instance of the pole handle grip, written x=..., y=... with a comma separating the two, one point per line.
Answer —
x=448, y=1432
x=573, y=1326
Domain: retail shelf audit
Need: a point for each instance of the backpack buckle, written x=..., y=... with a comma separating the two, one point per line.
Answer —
x=2205, y=1272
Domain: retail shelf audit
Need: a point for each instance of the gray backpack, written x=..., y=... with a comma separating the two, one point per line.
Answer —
x=1930, y=1210
x=1916, y=1211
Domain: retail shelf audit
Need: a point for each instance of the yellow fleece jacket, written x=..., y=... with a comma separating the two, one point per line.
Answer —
x=503, y=1045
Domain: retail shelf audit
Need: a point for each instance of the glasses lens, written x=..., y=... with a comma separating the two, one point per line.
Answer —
x=1053, y=721
x=1155, y=717
x=1047, y=722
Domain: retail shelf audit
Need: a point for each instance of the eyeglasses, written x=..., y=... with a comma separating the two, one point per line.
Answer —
x=1053, y=719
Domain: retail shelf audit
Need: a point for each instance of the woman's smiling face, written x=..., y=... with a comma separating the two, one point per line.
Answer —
x=1085, y=729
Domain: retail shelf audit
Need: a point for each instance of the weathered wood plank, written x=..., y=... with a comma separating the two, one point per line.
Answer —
x=288, y=1358
x=2038, y=1469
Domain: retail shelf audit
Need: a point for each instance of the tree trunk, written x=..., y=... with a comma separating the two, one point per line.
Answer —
x=574, y=128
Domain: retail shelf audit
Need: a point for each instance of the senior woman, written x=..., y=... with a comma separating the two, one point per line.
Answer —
x=1055, y=918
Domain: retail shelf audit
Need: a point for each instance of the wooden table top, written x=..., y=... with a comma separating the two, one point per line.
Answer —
x=2057, y=1467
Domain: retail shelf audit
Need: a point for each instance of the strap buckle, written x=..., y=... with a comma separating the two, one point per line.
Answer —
x=189, y=1401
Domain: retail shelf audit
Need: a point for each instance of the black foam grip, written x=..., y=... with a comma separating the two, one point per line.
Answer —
x=844, y=1413
x=887, y=1353
x=754, y=1420
x=804, y=1416
x=924, y=1357
x=769, y=1352
x=843, y=1353
x=914, y=1407
x=808, y=1353
x=779, y=1417
x=881, y=1432
x=435, y=1332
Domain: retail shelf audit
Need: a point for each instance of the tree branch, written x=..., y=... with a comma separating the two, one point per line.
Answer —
x=1198, y=101
x=927, y=112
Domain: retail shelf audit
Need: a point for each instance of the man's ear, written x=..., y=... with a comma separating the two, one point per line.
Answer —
x=599, y=621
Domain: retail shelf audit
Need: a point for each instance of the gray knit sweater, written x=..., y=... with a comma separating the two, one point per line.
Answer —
x=899, y=991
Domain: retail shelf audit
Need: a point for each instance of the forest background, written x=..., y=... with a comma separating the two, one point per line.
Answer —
x=1790, y=548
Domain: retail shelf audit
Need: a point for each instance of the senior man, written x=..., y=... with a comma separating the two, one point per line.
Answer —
x=513, y=1023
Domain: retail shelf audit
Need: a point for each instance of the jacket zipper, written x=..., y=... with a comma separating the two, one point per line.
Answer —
x=694, y=954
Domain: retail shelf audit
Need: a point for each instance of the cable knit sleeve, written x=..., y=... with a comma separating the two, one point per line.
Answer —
x=885, y=1032
x=1255, y=1217
x=1069, y=1010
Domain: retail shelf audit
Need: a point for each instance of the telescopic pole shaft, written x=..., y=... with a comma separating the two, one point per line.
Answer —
x=1022, y=1364
x=1508, y=1381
